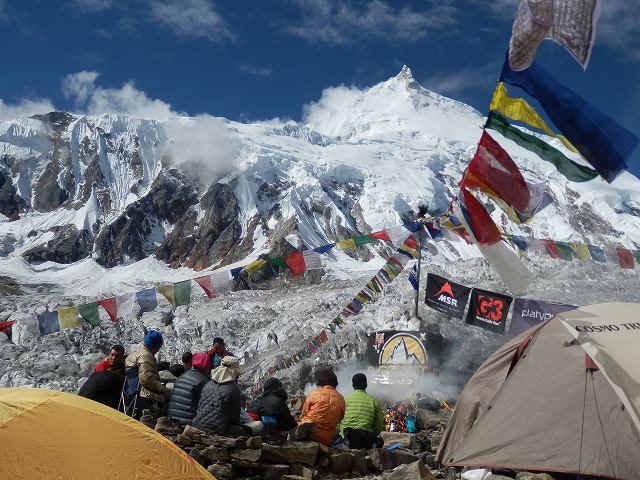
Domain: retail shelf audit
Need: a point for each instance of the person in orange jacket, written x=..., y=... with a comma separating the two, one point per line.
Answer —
x=324, y=407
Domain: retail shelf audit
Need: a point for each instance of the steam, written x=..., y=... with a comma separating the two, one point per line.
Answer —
x=201, y=147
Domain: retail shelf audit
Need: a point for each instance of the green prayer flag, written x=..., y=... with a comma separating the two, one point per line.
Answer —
x=636, y=253
x=362, y=239
x=566, y=252
x=277, y=262
x=182, y=292
x=90, y=314
x=567, y=167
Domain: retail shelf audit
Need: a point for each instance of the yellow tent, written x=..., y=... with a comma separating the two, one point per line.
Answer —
x=49, y=434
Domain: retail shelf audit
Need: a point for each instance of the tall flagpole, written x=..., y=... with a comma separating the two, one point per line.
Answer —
x=417, y=295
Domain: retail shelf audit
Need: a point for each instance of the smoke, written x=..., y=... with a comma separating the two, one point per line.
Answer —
x=201, y=147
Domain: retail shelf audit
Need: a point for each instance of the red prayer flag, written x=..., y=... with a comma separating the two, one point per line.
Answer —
x=6, y=326
x=552, y=248
x=625, y=258
x=205, y=283
x=311, y=348
x=381, y=235
x=493, y=167
x=296, y=264
x=323, y=337
x=482, y=226
x=411, y=242
x=111, y=306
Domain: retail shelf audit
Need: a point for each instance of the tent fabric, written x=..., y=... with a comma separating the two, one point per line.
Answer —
x=526, y=412
x=97, y=441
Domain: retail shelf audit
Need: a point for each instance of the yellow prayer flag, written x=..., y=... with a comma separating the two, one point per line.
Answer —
x=519, y=110
x=582, y=251
x=69, y=317
x=167, y=292
x=349, y=244
x=255, y=265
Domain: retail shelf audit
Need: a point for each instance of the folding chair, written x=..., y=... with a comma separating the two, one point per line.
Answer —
x=130, y=393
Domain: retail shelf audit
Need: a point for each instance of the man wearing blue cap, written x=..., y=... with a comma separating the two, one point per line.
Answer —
x=143, y=358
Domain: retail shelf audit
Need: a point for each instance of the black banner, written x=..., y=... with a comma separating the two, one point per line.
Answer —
x=446, y=296
x=488, y=310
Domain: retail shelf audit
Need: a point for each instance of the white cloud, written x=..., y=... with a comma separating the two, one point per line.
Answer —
x=92, y=5
x=191, y=19
x=619, y=26
x=257, y=71
x=93, y=99
x=456, y=83
x=336, y=22
x=25, y=108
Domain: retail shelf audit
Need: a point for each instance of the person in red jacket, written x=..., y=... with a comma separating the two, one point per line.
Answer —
x=218, y=352
x=324, y=407
x=116, y=354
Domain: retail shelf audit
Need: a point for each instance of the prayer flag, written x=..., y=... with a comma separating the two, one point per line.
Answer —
x=167, y=292
x=411, y=242
x=413, y=280
x=296, y=264
x=597, y=254
x=48, y=323
x=277, y=262
x=434, y=230
x=520, y=242
x=565, y=250
x=147, y=300
x=570, y=23
x=125, y=304
x=311, y=348
x=111, y=307
x=205, y=283
x=221, y=281
x=582, y=251
x=408, y=251
x=625, y=258
x=324, y=248
x=397, y=235
x=312, y=260
x=636, y=253
x=604, y=143
x=348, y=244
x=89, y=312
x=323, y=337
x=5, y=327
x=482, y=225
x=235, y=271
x=363, y=297
x=611, y=254
x=363, y=239
x=69, y=317
x=255, y=265
x=356, y=305
x=571, y=170
x=381, y=235
x=551, y=248
x=182, y=292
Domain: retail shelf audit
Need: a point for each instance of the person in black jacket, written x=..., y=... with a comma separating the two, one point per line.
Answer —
x=273, y=409
x=185, y=395
x=219, y=407
x=105, y=386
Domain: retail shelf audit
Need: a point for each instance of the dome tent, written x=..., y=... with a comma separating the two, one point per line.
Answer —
x=50, y=434
x=540, y=403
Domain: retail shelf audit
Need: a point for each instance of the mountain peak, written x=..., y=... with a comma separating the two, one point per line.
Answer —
x=406, y=76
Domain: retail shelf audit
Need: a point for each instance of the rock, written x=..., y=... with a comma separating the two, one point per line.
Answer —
x=68, y=245
x=215, y=454
x=293, y=452
x=192, y=432
x=67, y=366
x=341, y=462
x=410, y=471
x=198, y=457
x=429, y=459
x=302, y=471
x=246, y=455
x=395, y=437
x=292, y=477
x=360, y=464
x=167, y=427
x=533, y=476
x=221, y=471
x=185, y=441
x=497, y=477
x=393, y=458
x=274, y=472
x=254, y=442
x=148, y=420
x=427, y=419
x=374, y=460
x=222, y=442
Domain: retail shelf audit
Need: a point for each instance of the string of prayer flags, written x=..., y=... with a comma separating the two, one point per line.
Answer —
x=69, y=317
x=89, y=312
x=111, y=307
x=296, y=263
x=48, y=323
x=604, y=143
x=348, y=244
x=570, y=23
x=568, y=168
x=205, y=284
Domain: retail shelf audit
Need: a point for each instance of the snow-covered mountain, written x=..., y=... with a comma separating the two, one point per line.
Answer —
x=117, y=190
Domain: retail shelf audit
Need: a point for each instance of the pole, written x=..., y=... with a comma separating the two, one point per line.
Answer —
x=417, y=295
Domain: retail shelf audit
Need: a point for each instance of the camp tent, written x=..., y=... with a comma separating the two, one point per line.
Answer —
x=540, y=403
x=49, y=434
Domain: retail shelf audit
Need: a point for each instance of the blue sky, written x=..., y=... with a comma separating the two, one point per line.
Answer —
x=259, y=59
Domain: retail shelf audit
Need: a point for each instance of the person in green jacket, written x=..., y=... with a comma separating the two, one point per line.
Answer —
x=363, y=419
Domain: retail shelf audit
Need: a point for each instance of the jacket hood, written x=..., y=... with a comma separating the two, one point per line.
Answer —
x=201, y=361
x=273, y=386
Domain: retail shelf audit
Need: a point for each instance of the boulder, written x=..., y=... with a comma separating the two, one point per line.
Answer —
x=533, y=476
x=374, y=460
x=251, y=455
x=215, y=454
x=410, y=471
x=341, y=462
x=497, y=477
x=360, y=464
x=292, y=477
x=393, y=458
x=254, y=442
x=302, y=471
x=221, y=471
x=198, y=457
x=429, y=459
x=68, y=245
x=274, y=472
x=395, y=437
x=293, y=452
x=184, y=441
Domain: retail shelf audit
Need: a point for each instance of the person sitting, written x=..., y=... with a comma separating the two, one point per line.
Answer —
x=116, y=354
x=324, y=407
x=219, y=407
x=185, y=395
x=363, y=419
x=186, y=360
x=272, y=408
x=218, y=352
x=152, y=391
x=105, y=386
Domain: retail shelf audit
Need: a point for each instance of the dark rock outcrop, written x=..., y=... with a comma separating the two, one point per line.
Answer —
x=11, y=204
x=67, y=246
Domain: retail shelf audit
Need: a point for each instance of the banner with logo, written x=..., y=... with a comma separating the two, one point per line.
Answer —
x=445, y=296
x=488, y=310
x=393, y=347
x=529, y=313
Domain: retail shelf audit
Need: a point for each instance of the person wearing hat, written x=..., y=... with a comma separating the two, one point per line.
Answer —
x=220, y=403
x=143, y=358
x=363, y=418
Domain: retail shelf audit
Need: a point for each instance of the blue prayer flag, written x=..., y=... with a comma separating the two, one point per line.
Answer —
x=520, y=242
x=603, y=142
x=235, y=271
x=597, y=254
x=147, y=300
x=324, y=248
x=413, y=279
x=48, y=323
